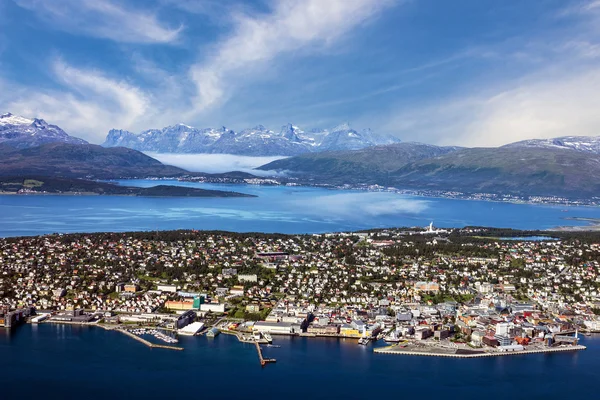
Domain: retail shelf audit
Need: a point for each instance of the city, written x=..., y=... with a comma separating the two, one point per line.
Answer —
x=424, y=291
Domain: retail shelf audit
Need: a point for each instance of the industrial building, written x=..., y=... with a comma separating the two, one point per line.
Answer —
x=191, y=329
x=10, y=319
x=213, y=307
x=324, y=329
x=277, y=328
x=423, y=333
x=185, y=319
x=167, y=288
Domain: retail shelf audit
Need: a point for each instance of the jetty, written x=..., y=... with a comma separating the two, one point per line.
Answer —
x=263, y=361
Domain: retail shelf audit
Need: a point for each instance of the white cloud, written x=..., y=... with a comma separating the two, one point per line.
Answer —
x=546, y=104
x=89, y=106
x=103, y=19
x=258, y=41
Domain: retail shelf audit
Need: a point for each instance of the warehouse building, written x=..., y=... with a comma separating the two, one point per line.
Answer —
x=277, y=328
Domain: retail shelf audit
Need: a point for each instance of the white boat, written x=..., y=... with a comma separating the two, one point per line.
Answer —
x=267, y=337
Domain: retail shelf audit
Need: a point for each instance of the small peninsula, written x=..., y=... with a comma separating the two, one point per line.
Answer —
x=72, y=186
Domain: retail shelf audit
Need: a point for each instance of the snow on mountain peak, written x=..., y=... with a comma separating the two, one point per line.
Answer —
x=341, y=127
x=586, y=144
x=290, y=140
x=10, y=119
x=21, y=132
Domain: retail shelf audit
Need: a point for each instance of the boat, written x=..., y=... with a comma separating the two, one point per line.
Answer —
x=273, y=346
x=267, y=337
x=212, y=332
x=363, y=341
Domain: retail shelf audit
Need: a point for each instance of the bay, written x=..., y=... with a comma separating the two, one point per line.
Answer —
x=68, y=362
x=276, y=209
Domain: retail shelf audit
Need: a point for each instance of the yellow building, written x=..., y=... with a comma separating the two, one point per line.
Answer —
x=350, y=332
x=179, y=305
x=131, y=288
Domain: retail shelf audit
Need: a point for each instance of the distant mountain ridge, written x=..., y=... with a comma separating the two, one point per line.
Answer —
x=87, y=161
x=20, y=132
x=586, y=144
x=256, y=141
x=515, y=170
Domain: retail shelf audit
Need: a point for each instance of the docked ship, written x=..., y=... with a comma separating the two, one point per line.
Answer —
x=267, y=337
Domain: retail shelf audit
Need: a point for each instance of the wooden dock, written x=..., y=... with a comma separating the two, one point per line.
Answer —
x=263, y=361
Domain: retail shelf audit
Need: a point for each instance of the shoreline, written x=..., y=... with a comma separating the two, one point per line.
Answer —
x=389, y=349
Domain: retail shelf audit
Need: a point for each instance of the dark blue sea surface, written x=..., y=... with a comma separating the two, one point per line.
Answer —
x=276, y=209
x=71, y=362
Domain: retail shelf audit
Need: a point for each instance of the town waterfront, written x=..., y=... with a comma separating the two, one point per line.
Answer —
x=276, y=209
x=47, y=360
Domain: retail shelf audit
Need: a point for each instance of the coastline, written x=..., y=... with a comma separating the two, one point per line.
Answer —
x=422, y=351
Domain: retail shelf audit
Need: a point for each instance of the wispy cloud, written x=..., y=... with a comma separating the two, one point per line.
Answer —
x=104, y=19
x=257, y=41
x=542, y=105
x=554, y=93
x=89, y=104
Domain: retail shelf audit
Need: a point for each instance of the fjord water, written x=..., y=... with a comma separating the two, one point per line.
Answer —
x=47, y=361
x=276, y=209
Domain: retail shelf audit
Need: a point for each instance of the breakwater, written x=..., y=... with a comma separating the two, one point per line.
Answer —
x=431, y=352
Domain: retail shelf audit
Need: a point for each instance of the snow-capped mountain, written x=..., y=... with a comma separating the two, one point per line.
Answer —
x=20, y=132
x=256, y=141
x=586, y=144
x=171, y=139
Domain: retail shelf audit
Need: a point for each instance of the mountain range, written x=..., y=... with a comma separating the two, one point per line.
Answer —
x=518, y=169
x=257, y=141
x=567, y=166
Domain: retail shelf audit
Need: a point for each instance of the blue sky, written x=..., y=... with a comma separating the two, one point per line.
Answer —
x=466, y=72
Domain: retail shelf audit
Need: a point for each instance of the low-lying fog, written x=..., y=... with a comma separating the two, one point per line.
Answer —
x=215, y=163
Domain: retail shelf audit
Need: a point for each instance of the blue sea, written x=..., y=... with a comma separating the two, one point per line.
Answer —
x=71, y=362
x=276, y=209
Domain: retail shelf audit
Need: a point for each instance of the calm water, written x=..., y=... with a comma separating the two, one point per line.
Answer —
x=277, y=209
x=52, y=361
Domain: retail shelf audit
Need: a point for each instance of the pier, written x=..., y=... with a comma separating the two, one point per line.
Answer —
x=263, y=361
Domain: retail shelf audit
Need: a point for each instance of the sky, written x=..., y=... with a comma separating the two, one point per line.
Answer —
x=461, y=72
